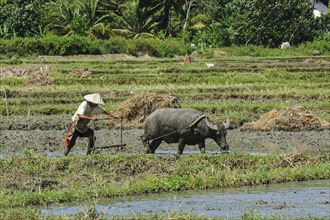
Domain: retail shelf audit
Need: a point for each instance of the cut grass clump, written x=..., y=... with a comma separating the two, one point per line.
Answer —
x=288, y=119
x=37, y=75
x=135, y=109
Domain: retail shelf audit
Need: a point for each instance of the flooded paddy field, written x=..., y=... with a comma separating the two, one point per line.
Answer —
x=288, y=200
x=50, y=142
x=34, y=117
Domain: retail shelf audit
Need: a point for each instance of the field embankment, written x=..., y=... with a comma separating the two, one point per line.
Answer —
x=36, y=180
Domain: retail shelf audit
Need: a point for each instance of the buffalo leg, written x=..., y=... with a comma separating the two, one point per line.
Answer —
x=146, y=144
x=154, y=145
x=202, y=147
x=181, y=145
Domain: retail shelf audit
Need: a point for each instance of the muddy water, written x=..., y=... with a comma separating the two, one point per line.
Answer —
x=292, y=200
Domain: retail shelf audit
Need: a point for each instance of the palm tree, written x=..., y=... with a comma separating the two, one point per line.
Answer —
x=133, y=23
x=83, y=17
x=97, y=16
x=61, y=17
x=201, y=9
x=162, y=11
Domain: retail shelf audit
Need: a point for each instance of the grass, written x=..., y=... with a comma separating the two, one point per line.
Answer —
x=37, y=180
x=91, y=213
x=31, y=181
x=242, y=88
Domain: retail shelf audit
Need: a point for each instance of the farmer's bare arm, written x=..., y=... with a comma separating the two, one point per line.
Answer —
x=110, y=114
x=87, y=117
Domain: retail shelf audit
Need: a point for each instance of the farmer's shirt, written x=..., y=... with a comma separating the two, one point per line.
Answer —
x=87, y=110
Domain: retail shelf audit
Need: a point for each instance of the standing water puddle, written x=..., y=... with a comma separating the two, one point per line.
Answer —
x=292, y=200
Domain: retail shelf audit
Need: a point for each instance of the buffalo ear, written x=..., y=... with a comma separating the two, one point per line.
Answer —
x=226, y=124
x=211, y=124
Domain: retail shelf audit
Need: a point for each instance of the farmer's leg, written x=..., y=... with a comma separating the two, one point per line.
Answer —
x=91, y=137
x=71, y=143
x=91, y=143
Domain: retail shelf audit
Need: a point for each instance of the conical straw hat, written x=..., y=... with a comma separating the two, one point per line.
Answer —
x=94, y=98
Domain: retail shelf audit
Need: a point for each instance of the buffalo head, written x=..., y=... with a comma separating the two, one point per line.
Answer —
x=220, y=133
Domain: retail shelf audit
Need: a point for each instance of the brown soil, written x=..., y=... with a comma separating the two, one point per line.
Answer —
x=37, y=75
x=50, y=142
x=287, y=130
x=289, y=119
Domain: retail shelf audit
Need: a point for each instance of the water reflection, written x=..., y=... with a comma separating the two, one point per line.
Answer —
x=303, y=199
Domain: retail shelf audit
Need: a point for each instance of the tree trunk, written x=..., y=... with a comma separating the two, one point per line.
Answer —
x=189, y=4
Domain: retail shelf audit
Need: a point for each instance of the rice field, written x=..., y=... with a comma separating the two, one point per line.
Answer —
x=241, y=88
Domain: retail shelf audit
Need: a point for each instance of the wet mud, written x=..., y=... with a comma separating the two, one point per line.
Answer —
x=45, y=136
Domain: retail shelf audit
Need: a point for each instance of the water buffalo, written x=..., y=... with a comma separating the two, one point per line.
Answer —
x=182, y=126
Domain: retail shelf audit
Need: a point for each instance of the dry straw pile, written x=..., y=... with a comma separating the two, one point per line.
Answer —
x=317, y=62
x=80, y=71
x=135, y=109
x=37, y=75
x=288, y=119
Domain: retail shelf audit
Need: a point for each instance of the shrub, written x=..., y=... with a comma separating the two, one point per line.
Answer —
x=158, y=48
x=116, y=45
x=321, y=45
x=50, y=45
x=73, y=45
x=70, y=45
x=145, y=46
x=170, y=48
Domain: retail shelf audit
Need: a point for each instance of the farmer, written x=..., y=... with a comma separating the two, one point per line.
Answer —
x=80, y=120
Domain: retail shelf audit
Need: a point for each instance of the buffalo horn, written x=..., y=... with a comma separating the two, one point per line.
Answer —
x=211, y=125
x=227, y=123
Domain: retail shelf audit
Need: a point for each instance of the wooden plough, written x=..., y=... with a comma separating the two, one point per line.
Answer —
x=120, y=146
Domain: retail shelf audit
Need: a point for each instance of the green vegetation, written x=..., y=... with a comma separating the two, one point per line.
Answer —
x=37, y=180
x=240, y=87
x=69, y=45
x=73, y=45
x=248, y=79
x=206, y=23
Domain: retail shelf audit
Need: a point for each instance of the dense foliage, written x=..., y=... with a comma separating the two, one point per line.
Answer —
x=72, y=45
x=50, y=45
x=207, y=23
